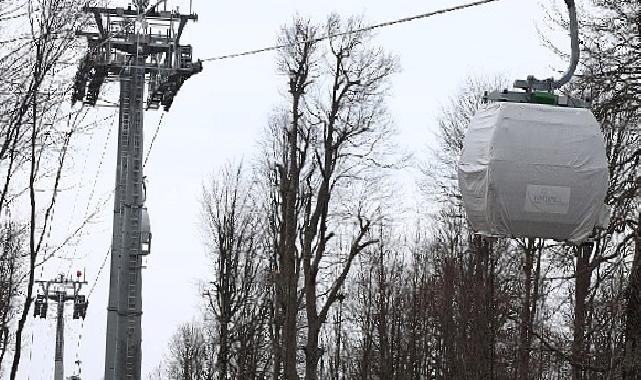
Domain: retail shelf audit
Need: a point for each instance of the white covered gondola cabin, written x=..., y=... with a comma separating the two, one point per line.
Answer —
x=531, y=170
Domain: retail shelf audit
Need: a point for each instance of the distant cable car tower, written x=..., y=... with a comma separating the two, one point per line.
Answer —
x=131, y=46
x=57, y=290
x=534, y=163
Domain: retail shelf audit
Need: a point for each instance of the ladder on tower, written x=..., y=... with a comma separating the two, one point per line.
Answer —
x=134, y=229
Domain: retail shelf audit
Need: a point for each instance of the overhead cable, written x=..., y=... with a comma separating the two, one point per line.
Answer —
x=354, y=31
x=153, y=139
x=82, y=326
x=102, y=266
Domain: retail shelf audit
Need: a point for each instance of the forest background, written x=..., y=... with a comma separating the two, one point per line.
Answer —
x=319, y=264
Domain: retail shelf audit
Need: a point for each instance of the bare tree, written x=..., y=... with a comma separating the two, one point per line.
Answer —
x=11, y=273
x=614, y=73
x=296, y=64
x=389, y=315
x=34, y=128
x=233, y=226
x=611, y=78
x=335, y=130
x=187, y=355
x=632, y=358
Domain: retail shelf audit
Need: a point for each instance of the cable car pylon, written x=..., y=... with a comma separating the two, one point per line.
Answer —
x=60, y=290
x=132, y=47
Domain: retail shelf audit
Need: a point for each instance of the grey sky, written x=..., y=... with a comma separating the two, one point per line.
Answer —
x=220, y=114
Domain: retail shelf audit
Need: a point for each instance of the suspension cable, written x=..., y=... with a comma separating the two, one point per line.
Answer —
x=354, y=31
x=153, y=139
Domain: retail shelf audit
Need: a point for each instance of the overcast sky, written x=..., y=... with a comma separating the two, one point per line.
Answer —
x=219, y=116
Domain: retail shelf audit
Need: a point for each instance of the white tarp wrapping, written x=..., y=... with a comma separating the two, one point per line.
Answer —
x=530, y=170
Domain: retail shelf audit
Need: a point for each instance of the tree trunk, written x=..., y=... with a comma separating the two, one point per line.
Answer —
x=382, y=319
x=32, y=234
x=290, y=294
x=312, y=351
x=276, y=326
x=223, y=354
x=486, y=319
x=8, y=290
x=290, y=340
x=582, y=284
x=632, y=354
x=224, y=294
x=535, y=298
x=365, y=362
x=523, y=363
x=288, y=256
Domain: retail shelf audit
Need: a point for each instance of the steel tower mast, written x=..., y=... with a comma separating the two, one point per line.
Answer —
x=131, y=46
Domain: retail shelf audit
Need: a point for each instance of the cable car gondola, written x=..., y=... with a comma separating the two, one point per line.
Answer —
x=534, y=163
